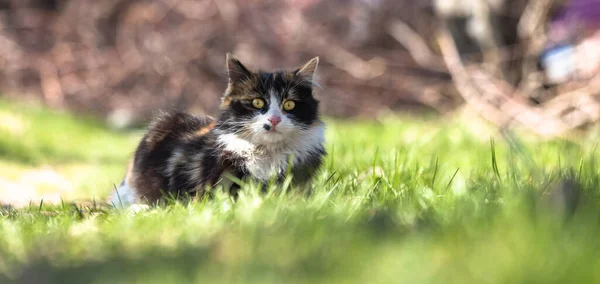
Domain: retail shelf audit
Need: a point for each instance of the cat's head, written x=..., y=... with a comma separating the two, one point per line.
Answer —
x=269, y=107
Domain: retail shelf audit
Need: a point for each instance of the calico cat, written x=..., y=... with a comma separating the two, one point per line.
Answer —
x=267, y=120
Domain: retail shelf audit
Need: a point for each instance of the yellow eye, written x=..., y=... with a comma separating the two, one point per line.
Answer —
x=258, y=103
x=289, y=105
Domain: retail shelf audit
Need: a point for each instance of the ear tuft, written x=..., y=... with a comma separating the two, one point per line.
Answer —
x=308, y=70
x=236, y=70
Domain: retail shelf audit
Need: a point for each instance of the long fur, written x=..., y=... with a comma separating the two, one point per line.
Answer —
x=185, y=155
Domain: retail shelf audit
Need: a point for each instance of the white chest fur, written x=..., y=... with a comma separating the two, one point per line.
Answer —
x=266, y=161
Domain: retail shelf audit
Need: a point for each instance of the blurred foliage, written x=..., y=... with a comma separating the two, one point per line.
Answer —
x=123, y=59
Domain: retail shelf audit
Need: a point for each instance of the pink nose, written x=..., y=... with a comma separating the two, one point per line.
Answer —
x=274, y=120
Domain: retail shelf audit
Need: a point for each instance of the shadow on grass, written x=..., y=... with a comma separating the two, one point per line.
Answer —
x=226, y=260
x=181, y=265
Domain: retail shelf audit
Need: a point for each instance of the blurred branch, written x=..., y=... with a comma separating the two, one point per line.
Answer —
x=143, y=55
x=489, y=97
x=580, y=106
x=345, y=60
x=531, y=30
x=412, y=41
x=534, y=18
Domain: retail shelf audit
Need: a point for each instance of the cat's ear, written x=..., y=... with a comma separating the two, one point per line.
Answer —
x=236, y=70
x=308, y=70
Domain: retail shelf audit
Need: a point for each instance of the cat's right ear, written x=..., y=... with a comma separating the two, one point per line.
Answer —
x=236, y=70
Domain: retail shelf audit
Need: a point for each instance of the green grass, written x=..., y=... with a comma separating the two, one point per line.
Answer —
x=400, y=200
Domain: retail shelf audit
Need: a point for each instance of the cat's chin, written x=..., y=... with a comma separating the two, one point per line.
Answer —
x=270, y=137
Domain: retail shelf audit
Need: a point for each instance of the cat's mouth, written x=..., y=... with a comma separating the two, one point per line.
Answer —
x=272, y=132
x=269, y=129
x=271, y=136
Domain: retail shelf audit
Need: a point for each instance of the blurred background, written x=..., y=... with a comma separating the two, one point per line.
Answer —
x=531, y=63
x=425, y=178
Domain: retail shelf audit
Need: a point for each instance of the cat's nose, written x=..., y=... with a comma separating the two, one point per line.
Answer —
x=274, y=120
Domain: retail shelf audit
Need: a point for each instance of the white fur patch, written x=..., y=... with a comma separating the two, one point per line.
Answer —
x=266, y=160
x=231, y=142
x=137, y=208
x=124, y=196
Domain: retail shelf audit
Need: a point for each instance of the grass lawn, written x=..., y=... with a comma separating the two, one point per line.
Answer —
x=400, y=200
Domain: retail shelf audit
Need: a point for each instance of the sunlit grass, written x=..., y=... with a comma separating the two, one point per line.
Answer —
x=398, y=200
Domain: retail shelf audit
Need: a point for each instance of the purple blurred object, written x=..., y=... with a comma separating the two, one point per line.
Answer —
x=565, y=56
x=586, y=12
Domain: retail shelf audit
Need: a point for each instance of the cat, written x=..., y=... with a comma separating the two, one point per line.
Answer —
x=266, y=121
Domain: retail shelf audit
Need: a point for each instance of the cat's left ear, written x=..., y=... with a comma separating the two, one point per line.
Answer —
x=236, y=70
x=308, y=70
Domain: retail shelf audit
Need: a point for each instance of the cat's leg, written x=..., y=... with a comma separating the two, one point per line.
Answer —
x=305, y=188
x=303, y=174
x=232, y=186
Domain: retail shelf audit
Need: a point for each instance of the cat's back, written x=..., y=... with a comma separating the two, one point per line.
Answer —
x=168, y=133
x=175, y=125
